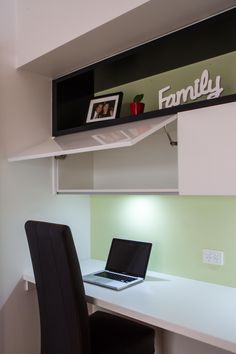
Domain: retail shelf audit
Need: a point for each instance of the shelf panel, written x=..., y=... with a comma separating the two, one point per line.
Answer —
x=112, y=137
x=173, y=191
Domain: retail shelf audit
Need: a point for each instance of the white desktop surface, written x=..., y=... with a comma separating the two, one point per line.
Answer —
x=196, y=309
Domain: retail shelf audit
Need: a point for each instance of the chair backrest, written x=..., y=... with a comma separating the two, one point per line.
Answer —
x=63, y=311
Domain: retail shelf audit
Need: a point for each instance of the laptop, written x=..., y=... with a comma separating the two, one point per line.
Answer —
x=126, y=265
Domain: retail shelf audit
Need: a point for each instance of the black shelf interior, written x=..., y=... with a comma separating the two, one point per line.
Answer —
x=72, y=93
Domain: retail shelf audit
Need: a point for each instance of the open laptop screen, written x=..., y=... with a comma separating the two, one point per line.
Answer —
x=129, y=257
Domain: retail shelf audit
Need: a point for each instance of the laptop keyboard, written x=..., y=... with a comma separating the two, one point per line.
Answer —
x=122, y=278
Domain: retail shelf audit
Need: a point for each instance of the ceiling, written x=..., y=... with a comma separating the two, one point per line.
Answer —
x=154, y=19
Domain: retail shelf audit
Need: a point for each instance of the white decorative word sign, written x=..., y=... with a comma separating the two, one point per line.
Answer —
x=200, y=87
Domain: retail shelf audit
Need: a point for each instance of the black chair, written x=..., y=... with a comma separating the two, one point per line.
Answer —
x=66, y=327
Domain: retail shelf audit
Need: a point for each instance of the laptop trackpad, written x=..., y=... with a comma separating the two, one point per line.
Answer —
x=96, y=279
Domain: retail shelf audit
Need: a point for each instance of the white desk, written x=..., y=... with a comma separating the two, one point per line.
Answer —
x=199, y=310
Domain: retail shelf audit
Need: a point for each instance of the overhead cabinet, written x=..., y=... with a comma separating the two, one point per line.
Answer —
x=201, y=164
x=138, y=158
x=133, y=157
x=207, y=150
x=133, y=154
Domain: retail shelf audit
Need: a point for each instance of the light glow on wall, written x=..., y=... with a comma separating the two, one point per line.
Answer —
x=140, y=207
x=140, y=211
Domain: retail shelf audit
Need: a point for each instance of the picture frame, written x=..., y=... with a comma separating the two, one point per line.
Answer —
x=105, y=107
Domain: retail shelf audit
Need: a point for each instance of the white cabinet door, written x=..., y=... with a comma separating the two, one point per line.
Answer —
x=207, y=150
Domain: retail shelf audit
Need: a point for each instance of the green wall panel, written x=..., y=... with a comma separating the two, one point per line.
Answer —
x=178, y=227
x=223, y=65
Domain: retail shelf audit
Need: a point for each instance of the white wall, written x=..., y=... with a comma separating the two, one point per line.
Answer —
x=55, y=22
x=25, y=190
x=25, y=109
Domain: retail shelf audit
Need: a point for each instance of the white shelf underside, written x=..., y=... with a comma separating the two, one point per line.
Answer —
x=119, y=191
x=112, y=137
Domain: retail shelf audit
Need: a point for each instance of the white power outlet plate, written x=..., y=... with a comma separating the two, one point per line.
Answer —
x=213, y=257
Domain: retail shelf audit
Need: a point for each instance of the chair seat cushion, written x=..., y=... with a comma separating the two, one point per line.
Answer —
x=112, y=334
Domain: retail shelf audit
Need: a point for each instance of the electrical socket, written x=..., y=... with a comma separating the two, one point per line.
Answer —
x=212, y=257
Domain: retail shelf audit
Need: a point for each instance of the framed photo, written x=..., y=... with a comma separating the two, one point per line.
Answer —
x=104, y=107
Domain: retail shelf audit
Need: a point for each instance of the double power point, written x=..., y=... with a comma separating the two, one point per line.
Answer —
x=213, y=257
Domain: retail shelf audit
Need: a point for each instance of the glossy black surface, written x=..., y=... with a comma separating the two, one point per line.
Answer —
x=204, y=40
x=129, y=257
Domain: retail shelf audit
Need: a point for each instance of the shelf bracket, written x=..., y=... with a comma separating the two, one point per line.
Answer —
x=172, y=142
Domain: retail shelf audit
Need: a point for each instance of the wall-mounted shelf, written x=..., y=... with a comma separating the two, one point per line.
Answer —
x=127, y=154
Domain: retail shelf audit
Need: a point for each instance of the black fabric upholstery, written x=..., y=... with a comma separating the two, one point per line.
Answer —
x=63, y=311
x=66, y=327
x=115, y=335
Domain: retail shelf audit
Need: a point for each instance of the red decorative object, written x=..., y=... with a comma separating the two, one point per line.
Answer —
x=136, y=108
